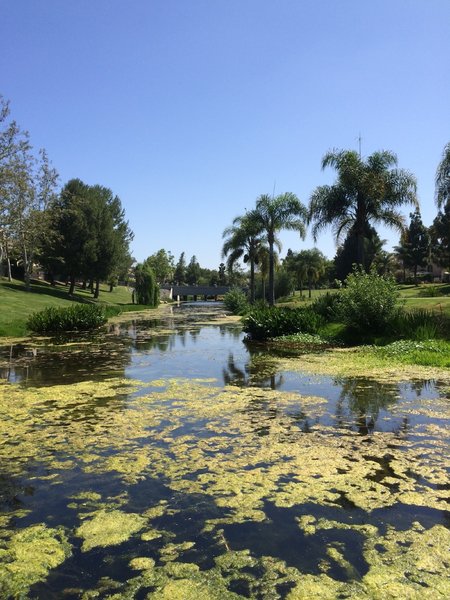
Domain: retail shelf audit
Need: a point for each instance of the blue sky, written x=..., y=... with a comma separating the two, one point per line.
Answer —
x=190, y=109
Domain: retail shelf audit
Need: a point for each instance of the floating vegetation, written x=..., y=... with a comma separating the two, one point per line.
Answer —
x=185, y=488
x=27, y=557
x=108, y=528
x=364, y=361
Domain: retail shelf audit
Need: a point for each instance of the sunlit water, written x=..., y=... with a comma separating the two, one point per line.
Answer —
x=244, y=480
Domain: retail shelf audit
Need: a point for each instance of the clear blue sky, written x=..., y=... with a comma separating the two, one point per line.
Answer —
x=190, y=109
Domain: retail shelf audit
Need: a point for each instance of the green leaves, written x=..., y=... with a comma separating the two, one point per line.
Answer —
x=369, y=301
x=80, y=317
x=271, y=322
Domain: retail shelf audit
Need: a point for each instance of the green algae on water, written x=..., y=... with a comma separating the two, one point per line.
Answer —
x=241, y=450
x=108, y=528
x=28, y=556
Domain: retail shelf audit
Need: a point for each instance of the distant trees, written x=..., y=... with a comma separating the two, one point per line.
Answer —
x=366, y=192
x=310, y=266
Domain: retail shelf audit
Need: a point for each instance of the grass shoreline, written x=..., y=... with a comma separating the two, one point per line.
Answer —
x=17, y=304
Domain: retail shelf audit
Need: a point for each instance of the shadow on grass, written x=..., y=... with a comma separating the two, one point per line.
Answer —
x=40, y=287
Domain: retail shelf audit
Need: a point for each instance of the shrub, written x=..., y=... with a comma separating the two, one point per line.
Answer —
x=271, y=322
x=369, y=301
x=327, y=306
x=80, y=317
x=419, y=324
x=236, y=301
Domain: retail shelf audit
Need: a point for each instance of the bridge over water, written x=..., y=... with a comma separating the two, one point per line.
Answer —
x=202, y=292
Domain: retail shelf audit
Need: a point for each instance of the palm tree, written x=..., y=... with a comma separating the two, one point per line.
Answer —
x=274, y=214
x=244, y=240
x=263, y=264
x=443, y=178
x=366, y=191
x=310, y=265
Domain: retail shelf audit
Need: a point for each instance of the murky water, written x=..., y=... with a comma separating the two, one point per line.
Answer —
x=168, y=459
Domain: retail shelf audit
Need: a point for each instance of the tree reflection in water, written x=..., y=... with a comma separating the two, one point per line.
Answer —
x=261, y=374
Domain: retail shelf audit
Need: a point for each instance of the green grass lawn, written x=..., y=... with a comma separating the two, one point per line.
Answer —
x=433, y=297
x=17, y=304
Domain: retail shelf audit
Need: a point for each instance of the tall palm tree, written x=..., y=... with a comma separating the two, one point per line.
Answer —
x=443, y=178
x=274, y=214
x=365, y=192
x=244, y=240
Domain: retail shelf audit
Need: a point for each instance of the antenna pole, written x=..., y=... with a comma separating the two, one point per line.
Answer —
x=359, y=145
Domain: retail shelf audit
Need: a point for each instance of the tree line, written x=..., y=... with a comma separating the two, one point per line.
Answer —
x=78, y=233
x=81, y=232
x=366, y=192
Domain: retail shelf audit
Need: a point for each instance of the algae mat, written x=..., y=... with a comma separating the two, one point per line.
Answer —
x=184, y=488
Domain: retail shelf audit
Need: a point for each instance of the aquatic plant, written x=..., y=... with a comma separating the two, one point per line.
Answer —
x=108, y=528
x=236, y=301
x=28, y=556
x=271, y=322
x=247, y=454
x=79, y=317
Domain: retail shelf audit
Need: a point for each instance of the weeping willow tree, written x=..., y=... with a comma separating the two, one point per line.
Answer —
x=146, y=290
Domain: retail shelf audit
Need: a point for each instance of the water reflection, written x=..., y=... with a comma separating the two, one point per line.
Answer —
x=363, y=399
x=252, y=373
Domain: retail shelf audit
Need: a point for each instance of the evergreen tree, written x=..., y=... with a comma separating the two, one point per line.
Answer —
x=193, y=271
x=180, y=270
x=440, y=237
x=90, y=236
x=346, y=254
x=414, y=248
x=222, y=274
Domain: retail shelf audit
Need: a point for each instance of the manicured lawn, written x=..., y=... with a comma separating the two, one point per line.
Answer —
x=17, y=304
x=434, y=297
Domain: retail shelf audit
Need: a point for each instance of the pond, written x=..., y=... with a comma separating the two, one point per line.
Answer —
x=168, y=459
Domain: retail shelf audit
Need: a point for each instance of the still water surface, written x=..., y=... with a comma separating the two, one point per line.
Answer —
x=168, y=459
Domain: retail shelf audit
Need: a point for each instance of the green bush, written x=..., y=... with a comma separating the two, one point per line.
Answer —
x=418, y=324
x=80, y=317
x=236, y=301
x=327, y=306
x=271, y=322
x=368, y=301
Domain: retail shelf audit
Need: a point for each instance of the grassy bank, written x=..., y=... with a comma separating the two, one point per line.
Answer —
x=434, y=297
x=17, y=304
